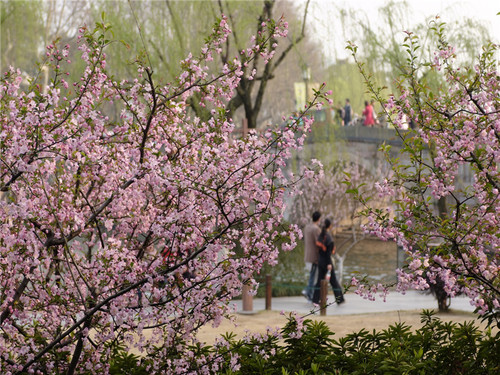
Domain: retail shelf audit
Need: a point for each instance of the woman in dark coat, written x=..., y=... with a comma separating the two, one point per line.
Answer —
x=327, y=248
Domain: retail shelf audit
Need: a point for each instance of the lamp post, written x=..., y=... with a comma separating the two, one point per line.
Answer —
x=306, y=75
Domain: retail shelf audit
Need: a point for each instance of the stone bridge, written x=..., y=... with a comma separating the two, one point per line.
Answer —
x=357, y=144
x=360, y=145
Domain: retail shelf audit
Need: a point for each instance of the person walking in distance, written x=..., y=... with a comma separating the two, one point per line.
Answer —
x=368, y=115
x=311, y=252
x=325, y=264
x=347, y=113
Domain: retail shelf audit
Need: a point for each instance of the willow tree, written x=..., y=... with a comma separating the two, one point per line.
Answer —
x=165, y=31
x=380, y=38
x=15, y=34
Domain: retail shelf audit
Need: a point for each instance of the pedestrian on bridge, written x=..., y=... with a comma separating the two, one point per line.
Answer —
x=368, y=115
x=347, y=113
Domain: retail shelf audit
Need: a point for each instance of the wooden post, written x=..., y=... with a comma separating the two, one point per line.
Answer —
x=247, y=299
x=269, y=292
x=244, y=126
x=323, y=291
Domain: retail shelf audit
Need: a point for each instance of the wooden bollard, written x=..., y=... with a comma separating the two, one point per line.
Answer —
x=244, y=126
x=269, y=292
x=247, y=299
x=323, y=291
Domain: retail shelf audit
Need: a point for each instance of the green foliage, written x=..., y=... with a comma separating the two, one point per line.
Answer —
x=346, y=82
x=124, y=363
x=314, y=347
x=14, y=33
x=284, y=288
x=438, y=347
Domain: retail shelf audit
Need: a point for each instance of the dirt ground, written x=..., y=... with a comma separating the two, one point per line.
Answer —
x=340, y=324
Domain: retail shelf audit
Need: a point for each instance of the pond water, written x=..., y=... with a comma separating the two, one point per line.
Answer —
x=374, y=258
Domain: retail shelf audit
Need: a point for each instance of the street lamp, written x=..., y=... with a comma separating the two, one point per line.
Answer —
x=306, y=75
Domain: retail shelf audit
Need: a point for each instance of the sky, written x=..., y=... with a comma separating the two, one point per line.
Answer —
x=324, y=17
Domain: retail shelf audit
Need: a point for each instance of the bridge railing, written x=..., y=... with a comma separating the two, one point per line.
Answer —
x=324, y=129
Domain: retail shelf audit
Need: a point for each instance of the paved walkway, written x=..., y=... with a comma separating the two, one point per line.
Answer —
x=412, y=300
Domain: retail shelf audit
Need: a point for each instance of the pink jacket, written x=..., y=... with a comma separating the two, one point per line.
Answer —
x=368, y=114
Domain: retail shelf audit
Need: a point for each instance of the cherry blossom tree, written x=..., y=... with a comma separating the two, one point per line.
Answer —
x=445, y=187
x=122, y=232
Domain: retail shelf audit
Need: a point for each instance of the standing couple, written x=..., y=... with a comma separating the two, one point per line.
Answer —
x=318, y=250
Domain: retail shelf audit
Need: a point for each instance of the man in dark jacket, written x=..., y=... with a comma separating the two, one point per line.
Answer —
x=347, y=113
x=326, y=250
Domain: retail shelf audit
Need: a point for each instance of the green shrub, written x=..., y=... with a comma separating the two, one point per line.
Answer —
x=443, y=348
x=436, y=348
x=282, y=289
